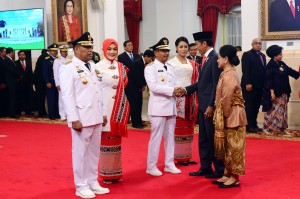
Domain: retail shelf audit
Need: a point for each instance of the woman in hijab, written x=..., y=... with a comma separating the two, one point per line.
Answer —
x=112, y=75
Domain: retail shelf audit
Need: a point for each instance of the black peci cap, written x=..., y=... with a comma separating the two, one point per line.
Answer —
x=203, y=35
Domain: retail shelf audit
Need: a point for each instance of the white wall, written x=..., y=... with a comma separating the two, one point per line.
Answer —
x=168, y=18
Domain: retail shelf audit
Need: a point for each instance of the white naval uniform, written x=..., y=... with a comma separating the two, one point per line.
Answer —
x=162, y=112
x=83, y=99
x=56, y=65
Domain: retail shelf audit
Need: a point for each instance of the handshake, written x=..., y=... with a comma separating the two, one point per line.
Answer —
x=179, y=92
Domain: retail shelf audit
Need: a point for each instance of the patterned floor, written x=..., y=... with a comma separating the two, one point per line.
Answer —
x=293, y=134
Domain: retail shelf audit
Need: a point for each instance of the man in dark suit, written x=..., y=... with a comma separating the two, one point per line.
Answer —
x=254, y=69
x=127, y=58
x=51, y=91
x=138, y=83
x=206, y=88
x=25, y=85
x=3, y=90
x=12, y=77
x=39, y=84
x=284, y=15
x=193, y=53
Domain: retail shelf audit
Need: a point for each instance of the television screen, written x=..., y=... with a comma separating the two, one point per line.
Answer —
x=22, y=29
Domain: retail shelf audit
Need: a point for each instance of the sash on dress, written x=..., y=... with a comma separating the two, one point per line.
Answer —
x=66, y=28
x=191, y=102
x=120, y=112
x=219, y=137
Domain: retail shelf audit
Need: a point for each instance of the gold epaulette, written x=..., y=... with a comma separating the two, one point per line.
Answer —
x=58, y=58
x=67, y=62
x=47, y=57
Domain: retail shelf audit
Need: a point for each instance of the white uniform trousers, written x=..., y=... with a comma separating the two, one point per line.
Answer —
x=85, y=155
x=61, y=107
x=161, y=126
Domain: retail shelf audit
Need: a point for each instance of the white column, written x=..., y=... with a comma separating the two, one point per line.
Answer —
x=114, y=21
x=250, y=22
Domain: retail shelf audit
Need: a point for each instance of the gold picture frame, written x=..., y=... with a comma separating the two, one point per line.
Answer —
x=269, y=26
x=62, y=31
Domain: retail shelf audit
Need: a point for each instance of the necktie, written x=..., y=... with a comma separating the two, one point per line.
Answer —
x=88, y=66
x=165, y=67
x=292, y=8
x=131, y=57
x=260, y=57
x=23, y=65
x=203, y=60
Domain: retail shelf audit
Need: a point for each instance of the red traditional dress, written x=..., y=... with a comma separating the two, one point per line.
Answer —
x=187, y=109
x=113, y=79
x=69, y=31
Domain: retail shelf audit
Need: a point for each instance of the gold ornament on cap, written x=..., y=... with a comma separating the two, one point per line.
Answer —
x=165, y=42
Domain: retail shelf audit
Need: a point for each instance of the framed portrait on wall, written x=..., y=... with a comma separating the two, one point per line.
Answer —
x=69, y=19
x=280, y=19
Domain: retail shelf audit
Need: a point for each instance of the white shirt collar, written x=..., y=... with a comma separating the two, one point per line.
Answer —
x=207, y=52
x=288, y=1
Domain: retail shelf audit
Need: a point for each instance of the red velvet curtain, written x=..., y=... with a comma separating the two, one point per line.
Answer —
x=208, y=10
x=133, y=16
x=210, y=21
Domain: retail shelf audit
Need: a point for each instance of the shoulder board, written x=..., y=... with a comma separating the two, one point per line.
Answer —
x=58, y=58
x=67, y=62
x=47, y=57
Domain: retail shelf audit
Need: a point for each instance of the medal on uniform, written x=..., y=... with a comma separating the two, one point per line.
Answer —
x=99, y=75
x=162, y=78
x=281, y=69
x=84, y=81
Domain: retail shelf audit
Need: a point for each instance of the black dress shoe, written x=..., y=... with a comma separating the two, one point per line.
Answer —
x=235, y=184
x=214, y=175
x=252, y=130
x=216, y=182
x=200, y=173
x=183, y=163
x=139, y=126
x=192, y=162
x=257, y=129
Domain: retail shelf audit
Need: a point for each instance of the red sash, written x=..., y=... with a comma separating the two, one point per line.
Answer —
x=191, y=102
x=120, y=112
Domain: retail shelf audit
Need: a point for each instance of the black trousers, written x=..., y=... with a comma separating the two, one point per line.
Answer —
x=253, y=101
x=24, y=97
x=41, y=98
x=206, y=146
x=135, y=99
x=52, y=101
x=12, y=97
x=3, y=102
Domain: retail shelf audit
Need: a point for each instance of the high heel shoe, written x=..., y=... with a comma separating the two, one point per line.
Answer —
x=235, y=184
x=216, y=182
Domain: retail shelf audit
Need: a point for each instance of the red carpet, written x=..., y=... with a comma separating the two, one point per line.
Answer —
x=35, y=162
